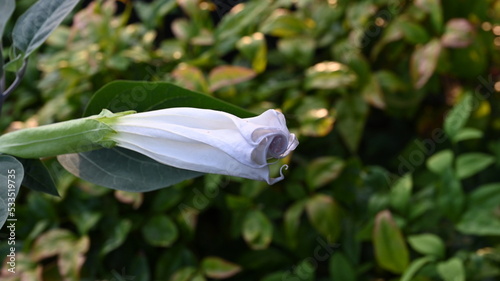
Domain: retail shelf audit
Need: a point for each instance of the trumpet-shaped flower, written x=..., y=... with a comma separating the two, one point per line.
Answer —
x=208, y=141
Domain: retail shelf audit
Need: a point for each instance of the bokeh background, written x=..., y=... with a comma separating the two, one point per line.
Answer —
x=396, y=105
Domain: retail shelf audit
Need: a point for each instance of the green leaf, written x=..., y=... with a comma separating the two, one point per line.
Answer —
x=7, y=7
x=450, y=197
x=341, y=269
x=11, y=177
x=118, y=231
x=440, y=161
x=215, y=267
x=414, y=33
x=123, y=169
x=457, y=117
x=160, y=231
x=292, y=222
x=257, y=230
x=285, y=25
x=329, y=75
x=468, y=134
x=391, y=252
x=226, y=75
x=36, y=24
x=190, y=77
x=401, y=193
x=324, y=214
x=146, y=96
x=451, y=270
x=427, y=244
x=187, y=274
x=352, y=112
x=172, y=260
x=37, y=177
x=414, y=267
x=323, y=170
x=482, y=215
x=469, y=164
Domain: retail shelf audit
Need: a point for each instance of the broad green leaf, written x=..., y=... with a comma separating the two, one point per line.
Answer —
x=452, y=270
x=215, y=267
x=468, y=134
x=146, y=96
x=440, y=161
x=257, y=230
x=469, y=164
x=11, y=177
x=7, y=7
x=323, y=170
x=123, y=169
x=428, y=244
x=329, y=75
x=401, y=193
x=160, y=231
x=37, y=177
x=481, y=216
x=457, y=117
x=414, y=267
x=391, y=252
x=325, y=216
x=226, y=75
x=341, y=269
x=423, y=62
x=36, y=24
x=352, y=112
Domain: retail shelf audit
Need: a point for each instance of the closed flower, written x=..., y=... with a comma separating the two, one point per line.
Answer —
x=208, y=141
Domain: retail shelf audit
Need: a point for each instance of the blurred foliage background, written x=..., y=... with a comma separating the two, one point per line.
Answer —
x=396, y=105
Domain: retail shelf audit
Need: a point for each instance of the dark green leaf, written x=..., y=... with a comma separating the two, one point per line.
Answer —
x=146, y=96
x=123, y=169
x=118, y=231
x=37, y=177
x=341, y=269
x=401, y=193
x=7, y=7
x=352, y=112
x=391, y=252
x=323, y=170
x=11, y=177
x=36, y=24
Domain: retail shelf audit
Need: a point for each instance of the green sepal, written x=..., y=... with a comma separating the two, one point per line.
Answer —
x=72, y=136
